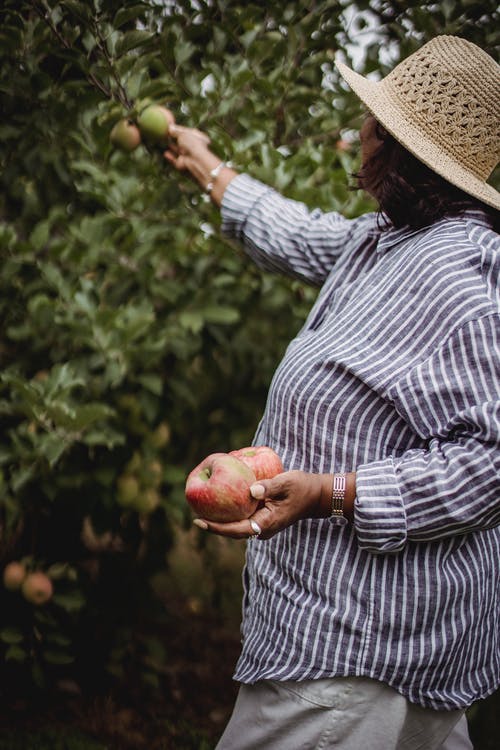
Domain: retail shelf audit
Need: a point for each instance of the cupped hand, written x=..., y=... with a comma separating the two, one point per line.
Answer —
x=285, y=499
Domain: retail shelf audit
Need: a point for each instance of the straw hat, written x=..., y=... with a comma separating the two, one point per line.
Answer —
x=442, y=103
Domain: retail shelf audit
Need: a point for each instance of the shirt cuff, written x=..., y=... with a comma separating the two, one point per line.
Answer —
x=379, y=512
x=239, y=197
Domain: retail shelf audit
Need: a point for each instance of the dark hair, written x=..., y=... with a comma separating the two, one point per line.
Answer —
x=407, y=191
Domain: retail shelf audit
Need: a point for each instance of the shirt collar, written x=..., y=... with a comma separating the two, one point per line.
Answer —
x=391, y=236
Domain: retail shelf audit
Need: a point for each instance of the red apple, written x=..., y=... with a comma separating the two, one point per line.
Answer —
x=264, y=462
x=13, y=575
x=37, y=587
x=218, y=489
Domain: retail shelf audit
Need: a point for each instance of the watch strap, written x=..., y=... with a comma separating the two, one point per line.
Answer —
x=338, y=497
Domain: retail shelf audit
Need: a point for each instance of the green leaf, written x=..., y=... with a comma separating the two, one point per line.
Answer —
x=52, y=447
x=22, y=476
x=183, y=51
x=89, y=413
x=80, y=10
x=71, y=601
x=16, y=653
x=11, y=635
x=57, y=657
x=40, y=235
x=124, y=15
x=192, y=320
x=152, y=383
x=58, y=571
x=131, y=40
x=174, y=474
x=221, y=314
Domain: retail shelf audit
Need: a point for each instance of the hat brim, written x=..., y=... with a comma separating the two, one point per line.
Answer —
x=386, y=110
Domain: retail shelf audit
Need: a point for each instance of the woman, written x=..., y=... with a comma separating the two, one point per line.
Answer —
x=370, y=612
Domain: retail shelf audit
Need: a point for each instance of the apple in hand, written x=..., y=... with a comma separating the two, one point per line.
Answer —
x=218, y=489
x=125, y=135
x=264, y=462
x=154, y=123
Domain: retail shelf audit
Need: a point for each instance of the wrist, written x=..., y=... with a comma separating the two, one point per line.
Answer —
x=200, y=166
x=213, y=175
x=326, y=491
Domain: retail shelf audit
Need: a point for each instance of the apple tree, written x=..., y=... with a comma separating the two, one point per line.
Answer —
x=135, y=339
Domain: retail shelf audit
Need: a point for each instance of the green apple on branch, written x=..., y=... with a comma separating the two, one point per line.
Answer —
x=154, y=122
x=125, y=135
x=128, y=490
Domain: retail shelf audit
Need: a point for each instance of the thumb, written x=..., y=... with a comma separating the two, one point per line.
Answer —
x=270, y=488
x=258, y=491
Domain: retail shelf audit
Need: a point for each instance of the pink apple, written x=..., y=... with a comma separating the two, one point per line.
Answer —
x=262, y=459
x=37, y=587
x=13, y=575
x=218, y=489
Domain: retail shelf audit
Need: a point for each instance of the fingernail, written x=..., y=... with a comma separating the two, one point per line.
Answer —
x=255, y=528
x=257, y=491
x=201, y=524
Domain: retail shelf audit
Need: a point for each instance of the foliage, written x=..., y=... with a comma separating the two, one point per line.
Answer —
x=48, y=740
x=135, y=339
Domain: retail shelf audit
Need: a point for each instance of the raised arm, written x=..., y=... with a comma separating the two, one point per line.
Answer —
x=190, y=151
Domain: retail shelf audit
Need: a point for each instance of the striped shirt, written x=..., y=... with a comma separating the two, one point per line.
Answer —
x=395, y=375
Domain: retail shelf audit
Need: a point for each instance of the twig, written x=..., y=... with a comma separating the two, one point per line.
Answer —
x=122, y=92
x=43, y=12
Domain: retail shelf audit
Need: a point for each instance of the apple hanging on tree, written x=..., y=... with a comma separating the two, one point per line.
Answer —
x=13, y=575
x=154, y=123
x=125, y=135
x=37, y=588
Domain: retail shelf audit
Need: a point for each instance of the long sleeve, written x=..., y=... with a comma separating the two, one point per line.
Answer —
x=394, y=375
x=452, y=400
x=283, y=235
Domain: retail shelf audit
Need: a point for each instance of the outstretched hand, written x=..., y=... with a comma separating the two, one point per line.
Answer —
x=189, y=150
x=185, y=145
x=285, y=499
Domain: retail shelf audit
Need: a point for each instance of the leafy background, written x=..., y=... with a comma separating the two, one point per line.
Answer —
x=135, y=339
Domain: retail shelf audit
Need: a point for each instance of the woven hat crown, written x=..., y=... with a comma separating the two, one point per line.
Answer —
x=442, y=103
x=450, y=89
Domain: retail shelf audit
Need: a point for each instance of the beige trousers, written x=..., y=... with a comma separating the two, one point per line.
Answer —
x=349, y=713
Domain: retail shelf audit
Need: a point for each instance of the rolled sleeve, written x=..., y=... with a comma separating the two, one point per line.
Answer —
x=451, y=486
x=379, y=512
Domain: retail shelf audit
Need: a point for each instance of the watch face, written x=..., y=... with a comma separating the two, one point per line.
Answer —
x=338, y=520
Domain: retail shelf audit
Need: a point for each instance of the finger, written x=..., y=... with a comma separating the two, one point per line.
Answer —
x=264, y=522
x=177, y=161
x=258, y=491
x=233, y=530
x=178, y=130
